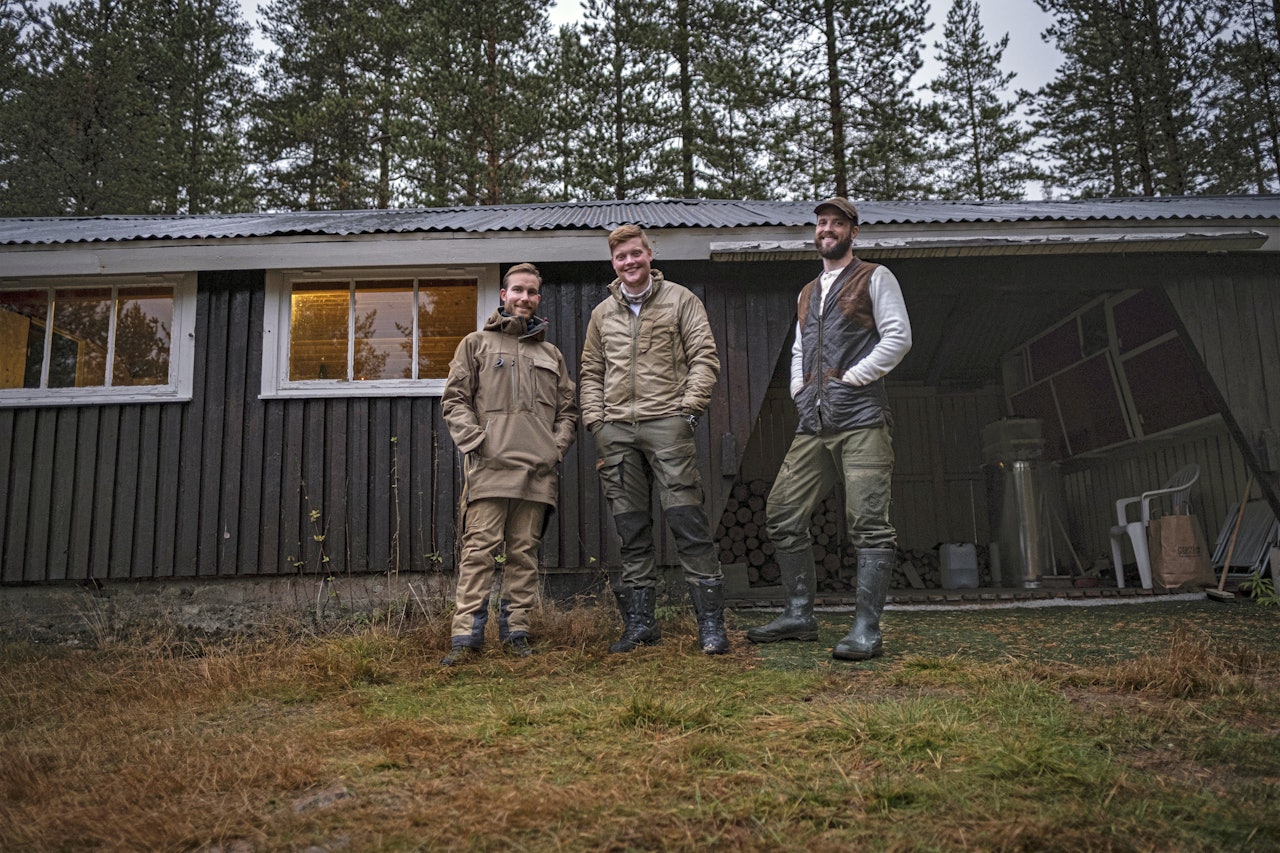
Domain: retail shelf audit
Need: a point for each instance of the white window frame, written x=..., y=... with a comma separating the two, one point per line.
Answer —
x=276, y=318
x=182, y=346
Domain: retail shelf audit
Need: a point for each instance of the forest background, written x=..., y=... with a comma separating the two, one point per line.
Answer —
x=180, y=106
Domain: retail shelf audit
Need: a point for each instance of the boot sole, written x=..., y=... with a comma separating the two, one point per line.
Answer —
x=802, y=638
x=852, y=655
x=615, y=650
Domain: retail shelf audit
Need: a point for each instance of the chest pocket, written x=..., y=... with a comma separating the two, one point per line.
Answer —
x=544, y=373
x=499, y=381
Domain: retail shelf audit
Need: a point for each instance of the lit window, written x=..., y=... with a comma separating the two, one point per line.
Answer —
x=119, y=341
x=367, y=334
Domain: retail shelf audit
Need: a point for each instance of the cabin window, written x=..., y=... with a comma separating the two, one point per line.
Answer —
x=1112, y=372
x=69, y=342
x=364, y=333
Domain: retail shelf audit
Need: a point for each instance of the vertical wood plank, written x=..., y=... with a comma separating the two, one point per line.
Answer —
x=104, y=494
x=79, y=553
x=18, y=495
x=237, y=304
x=61, y=519
x=251, y=516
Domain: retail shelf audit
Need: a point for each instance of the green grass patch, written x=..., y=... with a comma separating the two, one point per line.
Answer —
x=1121, y=728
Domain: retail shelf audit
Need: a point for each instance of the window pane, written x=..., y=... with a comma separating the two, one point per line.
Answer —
x=22, y=323
x=1055, y=351
x=1090, y=403
x=384, y=330
x=318, y=330
x=144, y=323
x=81, y=324
x=1166, y=388
x=446, y=314
x=1140, y=318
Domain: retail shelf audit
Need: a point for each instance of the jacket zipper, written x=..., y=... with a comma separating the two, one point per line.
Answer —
x=635, y=354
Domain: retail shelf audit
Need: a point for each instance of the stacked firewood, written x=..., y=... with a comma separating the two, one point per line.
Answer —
x=743, y=540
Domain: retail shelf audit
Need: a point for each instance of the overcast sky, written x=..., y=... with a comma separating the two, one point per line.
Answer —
x=1028, y=56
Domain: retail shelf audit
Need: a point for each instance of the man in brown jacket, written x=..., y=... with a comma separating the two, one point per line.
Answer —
x=648, y=366
x=509, y=405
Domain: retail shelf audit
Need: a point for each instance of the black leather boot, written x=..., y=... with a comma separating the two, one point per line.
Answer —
x=797, y=621
x=640, y=626
x=875, y=566
x=708, y=605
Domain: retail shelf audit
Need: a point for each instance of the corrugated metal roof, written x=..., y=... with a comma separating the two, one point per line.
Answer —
x=687, y=213
x=953, y=247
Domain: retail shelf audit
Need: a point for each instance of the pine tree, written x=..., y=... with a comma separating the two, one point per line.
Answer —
x=573, y=81
x=205, y=100
x=126, y=106
x=324, y=125
x=1128, y=111
x=715, y=101
x=851, y=122
x=1246, y=156
x=622, y=129
x=986, y=153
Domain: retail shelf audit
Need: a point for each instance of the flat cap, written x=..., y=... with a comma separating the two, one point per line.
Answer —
x=841, y=204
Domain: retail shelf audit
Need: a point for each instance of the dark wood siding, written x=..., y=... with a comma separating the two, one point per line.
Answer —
x=230, y=485
x=1230, y=312
x=227, y=484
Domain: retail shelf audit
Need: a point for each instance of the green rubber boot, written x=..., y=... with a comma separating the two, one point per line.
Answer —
x=863, y=642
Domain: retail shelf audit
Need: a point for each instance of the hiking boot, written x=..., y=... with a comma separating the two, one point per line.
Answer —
x=518, y=646
x=708, y=606
x=640, y=625
x=459, y=654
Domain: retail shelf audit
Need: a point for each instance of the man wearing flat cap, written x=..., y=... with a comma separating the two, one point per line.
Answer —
x=851, y=330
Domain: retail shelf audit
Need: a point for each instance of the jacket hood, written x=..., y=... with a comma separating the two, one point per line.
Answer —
x=535, y=328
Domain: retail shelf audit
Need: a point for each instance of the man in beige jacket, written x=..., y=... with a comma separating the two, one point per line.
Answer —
x=509, y=406
x=648, y=366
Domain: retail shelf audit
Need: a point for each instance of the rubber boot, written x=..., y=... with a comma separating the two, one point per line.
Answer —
x=640, y=626
x=875, y=566
x=796, y=621
x=708, y=605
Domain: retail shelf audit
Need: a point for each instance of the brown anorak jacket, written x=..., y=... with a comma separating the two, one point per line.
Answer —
x=660, y=363
x=509, y=405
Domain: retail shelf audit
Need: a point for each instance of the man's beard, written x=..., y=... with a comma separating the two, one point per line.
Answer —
x=838, y=250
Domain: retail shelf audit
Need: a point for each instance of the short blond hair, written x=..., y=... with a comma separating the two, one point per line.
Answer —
x=623, y=233
x=526, y=269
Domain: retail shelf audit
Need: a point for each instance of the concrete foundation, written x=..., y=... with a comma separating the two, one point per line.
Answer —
x=101, y=611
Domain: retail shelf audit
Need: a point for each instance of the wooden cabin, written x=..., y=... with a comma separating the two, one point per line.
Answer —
x=258, y=394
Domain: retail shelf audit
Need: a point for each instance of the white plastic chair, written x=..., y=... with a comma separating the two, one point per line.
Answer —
x=1179, y=487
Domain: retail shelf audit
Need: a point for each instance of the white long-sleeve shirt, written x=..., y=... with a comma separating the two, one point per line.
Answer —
x=892, y=323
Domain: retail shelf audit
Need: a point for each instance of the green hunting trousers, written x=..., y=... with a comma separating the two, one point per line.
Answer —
x=488, y=524
x=635, y=457
x=861, y=460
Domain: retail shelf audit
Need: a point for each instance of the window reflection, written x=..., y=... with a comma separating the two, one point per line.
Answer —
x=23, y=316
x=368, y=330
x=72, y=351
x=318, y=330
x=384, y=330
x=446, y=314
x=144, y=323
x=81, y=326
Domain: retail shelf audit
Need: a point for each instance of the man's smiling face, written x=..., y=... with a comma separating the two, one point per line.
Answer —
x=631, y=262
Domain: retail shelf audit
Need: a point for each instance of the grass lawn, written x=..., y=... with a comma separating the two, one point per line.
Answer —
x=1152, y=726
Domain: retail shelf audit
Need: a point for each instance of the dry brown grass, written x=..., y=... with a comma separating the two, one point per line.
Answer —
x=358, y=740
